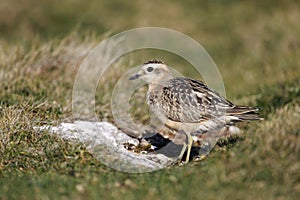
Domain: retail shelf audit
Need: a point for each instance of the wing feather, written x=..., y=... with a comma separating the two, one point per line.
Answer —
x=189, y=100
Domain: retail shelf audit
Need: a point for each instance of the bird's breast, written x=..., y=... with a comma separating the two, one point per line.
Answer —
x=152, y=99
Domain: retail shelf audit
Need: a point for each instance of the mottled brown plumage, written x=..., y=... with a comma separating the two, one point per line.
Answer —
x=188, y=105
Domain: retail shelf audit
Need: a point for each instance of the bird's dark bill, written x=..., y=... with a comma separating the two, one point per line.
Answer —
x=136, y=76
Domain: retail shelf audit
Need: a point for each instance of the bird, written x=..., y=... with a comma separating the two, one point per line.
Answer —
x=188, y=105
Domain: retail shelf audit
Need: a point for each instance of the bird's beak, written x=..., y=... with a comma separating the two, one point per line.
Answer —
x=136, y=76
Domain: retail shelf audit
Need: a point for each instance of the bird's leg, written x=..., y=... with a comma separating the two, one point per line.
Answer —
x=189, y=147
x=182, y=151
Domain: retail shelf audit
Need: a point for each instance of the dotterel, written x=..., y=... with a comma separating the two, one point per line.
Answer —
x=188, y=105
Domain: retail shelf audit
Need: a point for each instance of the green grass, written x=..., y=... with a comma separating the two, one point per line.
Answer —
x=256, y=46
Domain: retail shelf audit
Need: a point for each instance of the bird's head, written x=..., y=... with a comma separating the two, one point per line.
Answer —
x=154, y=71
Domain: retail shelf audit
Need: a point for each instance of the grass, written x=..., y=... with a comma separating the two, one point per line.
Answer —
x=255, y=45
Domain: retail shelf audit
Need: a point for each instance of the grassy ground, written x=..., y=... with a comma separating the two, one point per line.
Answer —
x=256, y=46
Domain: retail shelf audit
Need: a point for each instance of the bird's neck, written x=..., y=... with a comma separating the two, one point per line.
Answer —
x=161, y=80
x=154, y=88
x=156, y=85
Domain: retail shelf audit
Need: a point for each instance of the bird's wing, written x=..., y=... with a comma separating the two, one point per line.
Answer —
x=189, y=100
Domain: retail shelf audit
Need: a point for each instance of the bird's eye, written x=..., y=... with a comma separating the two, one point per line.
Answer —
x=149, y=69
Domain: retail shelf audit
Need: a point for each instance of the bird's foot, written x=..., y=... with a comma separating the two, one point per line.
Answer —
x=200, y=157
x=184, y=162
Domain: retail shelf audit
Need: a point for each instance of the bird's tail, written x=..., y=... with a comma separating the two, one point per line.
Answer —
x=244, y=113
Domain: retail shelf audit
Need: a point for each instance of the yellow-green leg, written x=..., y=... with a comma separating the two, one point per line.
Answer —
x=182, y=151
x=187, y=146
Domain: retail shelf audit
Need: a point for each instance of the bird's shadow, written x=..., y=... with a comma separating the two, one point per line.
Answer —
x=170, y=149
